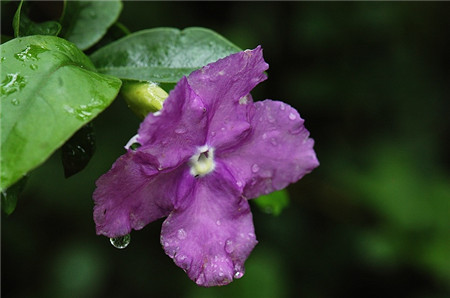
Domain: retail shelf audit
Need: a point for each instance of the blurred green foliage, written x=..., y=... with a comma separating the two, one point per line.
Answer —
x=372, y=81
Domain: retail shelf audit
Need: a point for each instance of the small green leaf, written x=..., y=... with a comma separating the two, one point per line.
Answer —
x=274, y=202
x=10, y=195
x=162, y=55
x=49, y=89
x=78, y=150
x=85, y=22
x=23, y=26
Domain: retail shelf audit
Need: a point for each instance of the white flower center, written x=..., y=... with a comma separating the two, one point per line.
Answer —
x=202, y=162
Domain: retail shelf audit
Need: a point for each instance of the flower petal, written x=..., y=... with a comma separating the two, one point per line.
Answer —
x=134, y=193
x=276, y=153
x=224, y=87
x=174, y=134
x=210, y=234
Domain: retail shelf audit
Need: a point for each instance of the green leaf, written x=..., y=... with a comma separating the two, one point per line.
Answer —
x=162, y=55
x=10, y=195
x=78, y=150
x=85, y=22
x=274, y=202
x=49, y=89
x=23, y=26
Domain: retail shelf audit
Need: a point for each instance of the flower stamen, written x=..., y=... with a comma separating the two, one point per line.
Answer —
x=202, y=163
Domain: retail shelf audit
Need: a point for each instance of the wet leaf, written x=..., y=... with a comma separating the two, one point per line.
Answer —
x=78, y=150
x=162, y=55
x=86, y=22
x=274, y=202
x=49, y=90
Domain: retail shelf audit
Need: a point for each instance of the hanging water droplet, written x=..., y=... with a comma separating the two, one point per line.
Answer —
x=238, y=274
x=255, y=168
x=292, y=116
x=120, y=242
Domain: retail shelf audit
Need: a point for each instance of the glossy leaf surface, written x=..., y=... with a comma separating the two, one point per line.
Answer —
x=162, y=55
x=49, y=89
x=86, y=22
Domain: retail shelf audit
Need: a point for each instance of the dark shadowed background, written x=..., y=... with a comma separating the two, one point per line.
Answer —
x=371, y=79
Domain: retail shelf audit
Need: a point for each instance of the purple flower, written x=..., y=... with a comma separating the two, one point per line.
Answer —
x=208, y=151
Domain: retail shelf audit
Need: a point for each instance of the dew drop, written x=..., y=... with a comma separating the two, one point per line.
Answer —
x=15, y=101
x=200, y=279
x=213, y=133
x=229, y=247
x=273, y=141
x=33, y=66
x=181, y=234
x=292, y=116
x=12, y=83
x=180, y=130
x=255, y=168
x=239, y=183
x=120, y=242
x=264, y=136
x=218, y=222
x=282, y=107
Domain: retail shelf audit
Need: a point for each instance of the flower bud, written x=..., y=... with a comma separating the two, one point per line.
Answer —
x=143, y=97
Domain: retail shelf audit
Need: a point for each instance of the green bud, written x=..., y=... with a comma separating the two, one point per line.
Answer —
x=143, y=97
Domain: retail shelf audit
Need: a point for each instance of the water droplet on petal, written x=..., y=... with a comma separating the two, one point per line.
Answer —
x=213, y=133
x=229, y=247
x=255, y=168
x=181, y=234
x=120, y=242
x=273, y=141
x=239, y=183
x=282, y=106
x=200, y=279
x=264, y=136
x=180, y=130
x=292, y=116
x=218, y=222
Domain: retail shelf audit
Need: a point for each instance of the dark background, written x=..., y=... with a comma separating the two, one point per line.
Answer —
x=371, y=79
